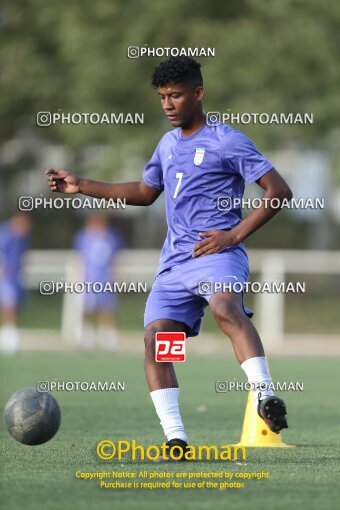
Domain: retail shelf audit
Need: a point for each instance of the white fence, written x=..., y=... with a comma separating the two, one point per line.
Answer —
x=140, y=265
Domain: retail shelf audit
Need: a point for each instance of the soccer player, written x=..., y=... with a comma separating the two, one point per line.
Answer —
x=14, y=242
x=98, y=244
x=196, y=165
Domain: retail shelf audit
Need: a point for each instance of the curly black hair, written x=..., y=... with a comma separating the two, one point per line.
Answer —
x=179, y=70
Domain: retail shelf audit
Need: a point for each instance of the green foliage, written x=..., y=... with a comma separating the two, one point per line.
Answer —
x=71, y=56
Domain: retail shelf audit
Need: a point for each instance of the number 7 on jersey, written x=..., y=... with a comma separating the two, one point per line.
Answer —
x=179, y=176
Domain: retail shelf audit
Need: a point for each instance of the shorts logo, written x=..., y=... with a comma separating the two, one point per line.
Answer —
x=170, y=346
x=199, y=155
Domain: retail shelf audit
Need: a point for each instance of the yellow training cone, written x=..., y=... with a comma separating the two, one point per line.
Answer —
x=256, y=433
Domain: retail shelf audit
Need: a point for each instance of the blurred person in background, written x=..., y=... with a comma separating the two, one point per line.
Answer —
x=14, y=242
x=98, y=244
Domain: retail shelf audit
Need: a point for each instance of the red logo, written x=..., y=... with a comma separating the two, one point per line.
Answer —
x=170, y=346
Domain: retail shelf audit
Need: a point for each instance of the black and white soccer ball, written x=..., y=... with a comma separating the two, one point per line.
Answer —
x=32, y=417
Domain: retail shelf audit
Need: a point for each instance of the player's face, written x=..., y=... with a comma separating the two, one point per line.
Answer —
x=180, y=103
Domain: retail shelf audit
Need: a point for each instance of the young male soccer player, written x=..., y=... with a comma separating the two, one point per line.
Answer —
x=195, y=165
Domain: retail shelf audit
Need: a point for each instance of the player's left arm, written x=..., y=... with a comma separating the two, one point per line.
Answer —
x=275, y=187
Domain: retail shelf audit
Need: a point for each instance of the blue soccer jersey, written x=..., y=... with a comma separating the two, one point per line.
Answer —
x=196, y=173
x=98, y=250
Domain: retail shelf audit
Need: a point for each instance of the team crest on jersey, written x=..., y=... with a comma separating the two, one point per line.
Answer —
x=199, y=155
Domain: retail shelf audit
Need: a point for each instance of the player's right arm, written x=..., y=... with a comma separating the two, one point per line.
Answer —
x=135, y=193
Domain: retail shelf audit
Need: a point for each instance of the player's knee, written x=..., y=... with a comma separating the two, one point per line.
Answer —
x=149, y=338
x=228, y=312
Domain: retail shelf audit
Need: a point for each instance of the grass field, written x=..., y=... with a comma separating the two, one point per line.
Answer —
x=44, y=476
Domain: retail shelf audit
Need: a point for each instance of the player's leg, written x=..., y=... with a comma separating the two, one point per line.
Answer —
x=87, y=340
x=86, y=337
x=107, y=331
x=162, y=381
x=229, y=314
x=9, y=337
x=9, y=315
x=11, y=295
x=227, y=309
x=159, y=375
x=171, y=306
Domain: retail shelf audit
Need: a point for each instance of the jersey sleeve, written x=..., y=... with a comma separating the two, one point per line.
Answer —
x=153, y=173
x=239, y=153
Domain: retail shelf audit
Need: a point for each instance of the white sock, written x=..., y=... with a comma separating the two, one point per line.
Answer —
x=166, y=405
x=88, y=340
x=257, y=372
x=10, y=339
x=107, y=338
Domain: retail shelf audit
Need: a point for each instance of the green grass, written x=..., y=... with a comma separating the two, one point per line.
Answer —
x=44, y=476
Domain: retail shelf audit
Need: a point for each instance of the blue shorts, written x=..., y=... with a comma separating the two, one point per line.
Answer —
x=182, y=292
x=100, y=302
x=11, y=294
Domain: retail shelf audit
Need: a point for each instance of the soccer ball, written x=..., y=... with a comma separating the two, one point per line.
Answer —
x=32, y=417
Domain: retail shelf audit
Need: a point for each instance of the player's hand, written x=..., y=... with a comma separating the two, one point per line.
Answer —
x=62, y=181
x=213, y=242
